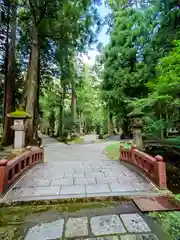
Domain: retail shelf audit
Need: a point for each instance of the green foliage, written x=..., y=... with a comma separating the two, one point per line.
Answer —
x=89, y=104
x=141, y=64
x=169, y=221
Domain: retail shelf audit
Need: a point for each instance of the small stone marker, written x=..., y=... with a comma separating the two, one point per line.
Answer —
x=108, y=224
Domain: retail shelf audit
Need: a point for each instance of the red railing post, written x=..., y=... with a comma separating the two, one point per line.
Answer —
x=133, y=149
x=2, y=176
x=161, y=170
x=121, y=147
x=3, y=164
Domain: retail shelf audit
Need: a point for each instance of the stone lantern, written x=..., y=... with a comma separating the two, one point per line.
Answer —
x=137, y=126
x=19, y=117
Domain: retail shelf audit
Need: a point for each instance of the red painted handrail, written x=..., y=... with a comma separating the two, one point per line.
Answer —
x=153, y=167
x=10, y=171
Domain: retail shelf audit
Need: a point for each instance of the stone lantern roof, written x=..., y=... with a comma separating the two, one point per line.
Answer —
x=135, y=114
x=19, y=114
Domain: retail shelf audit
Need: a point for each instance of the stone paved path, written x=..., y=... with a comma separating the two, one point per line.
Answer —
x=112, y=223
x=79, y=170
x=126, y=226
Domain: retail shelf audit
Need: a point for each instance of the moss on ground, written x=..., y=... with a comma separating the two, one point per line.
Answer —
x=17, y=214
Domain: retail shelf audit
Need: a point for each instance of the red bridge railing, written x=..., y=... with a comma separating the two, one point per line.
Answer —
x=153, y=167
x=10, y=171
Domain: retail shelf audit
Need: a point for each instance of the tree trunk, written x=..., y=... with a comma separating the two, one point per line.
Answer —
x=125, y=128
x=61, y=115
x=32, y=84
x=161, y=123
x=73, y=103
x=110, y=124
x=36, y=117
x=81, y=122
x=9, y=80
x=117, y=125
x=25, y=90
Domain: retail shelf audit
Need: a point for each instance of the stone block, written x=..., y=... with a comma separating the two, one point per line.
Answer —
x=98, y=188
x=149, y=236
x=108, y=224
x=44, y=191
x=84, y=181
x=62, y=181
x=134, y=223
x=76, y=227
x=75, y=189
x=122, y=187
x=106, y=180
x=52, y=230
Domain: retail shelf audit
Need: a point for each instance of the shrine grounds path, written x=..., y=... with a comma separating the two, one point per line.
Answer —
x=76, y=171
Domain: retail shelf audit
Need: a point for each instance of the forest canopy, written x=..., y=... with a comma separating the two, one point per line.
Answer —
x=42, y=44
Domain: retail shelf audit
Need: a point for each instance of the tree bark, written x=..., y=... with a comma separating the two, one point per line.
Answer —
x=9, y=80
x=32, y=84
x=61, y=114
x=110, y=124
x=25, y=90
x=36, y=117
x=125, y=127
x=73, y=103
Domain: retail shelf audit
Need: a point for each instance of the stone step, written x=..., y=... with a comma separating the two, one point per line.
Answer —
x=111, y=227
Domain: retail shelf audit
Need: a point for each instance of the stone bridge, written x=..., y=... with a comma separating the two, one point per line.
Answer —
x=76, y=171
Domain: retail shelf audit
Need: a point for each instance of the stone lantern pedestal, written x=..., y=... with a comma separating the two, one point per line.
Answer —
x=19, y=117
x=137, y=126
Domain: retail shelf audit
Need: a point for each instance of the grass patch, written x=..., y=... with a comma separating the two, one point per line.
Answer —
x=169, y=221
x=78, y=140
x=112, y=151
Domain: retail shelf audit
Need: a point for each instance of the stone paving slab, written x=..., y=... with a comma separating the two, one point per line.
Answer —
x=76, y=189
x=76, y=227
x=85, y=181
x=62, y=181
x=160, y=203
x=134, y=223
x=96, y=188
x=46, y=191
x=46, y=231
x=104, y=238
x=140, y=237
x=109, y=224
